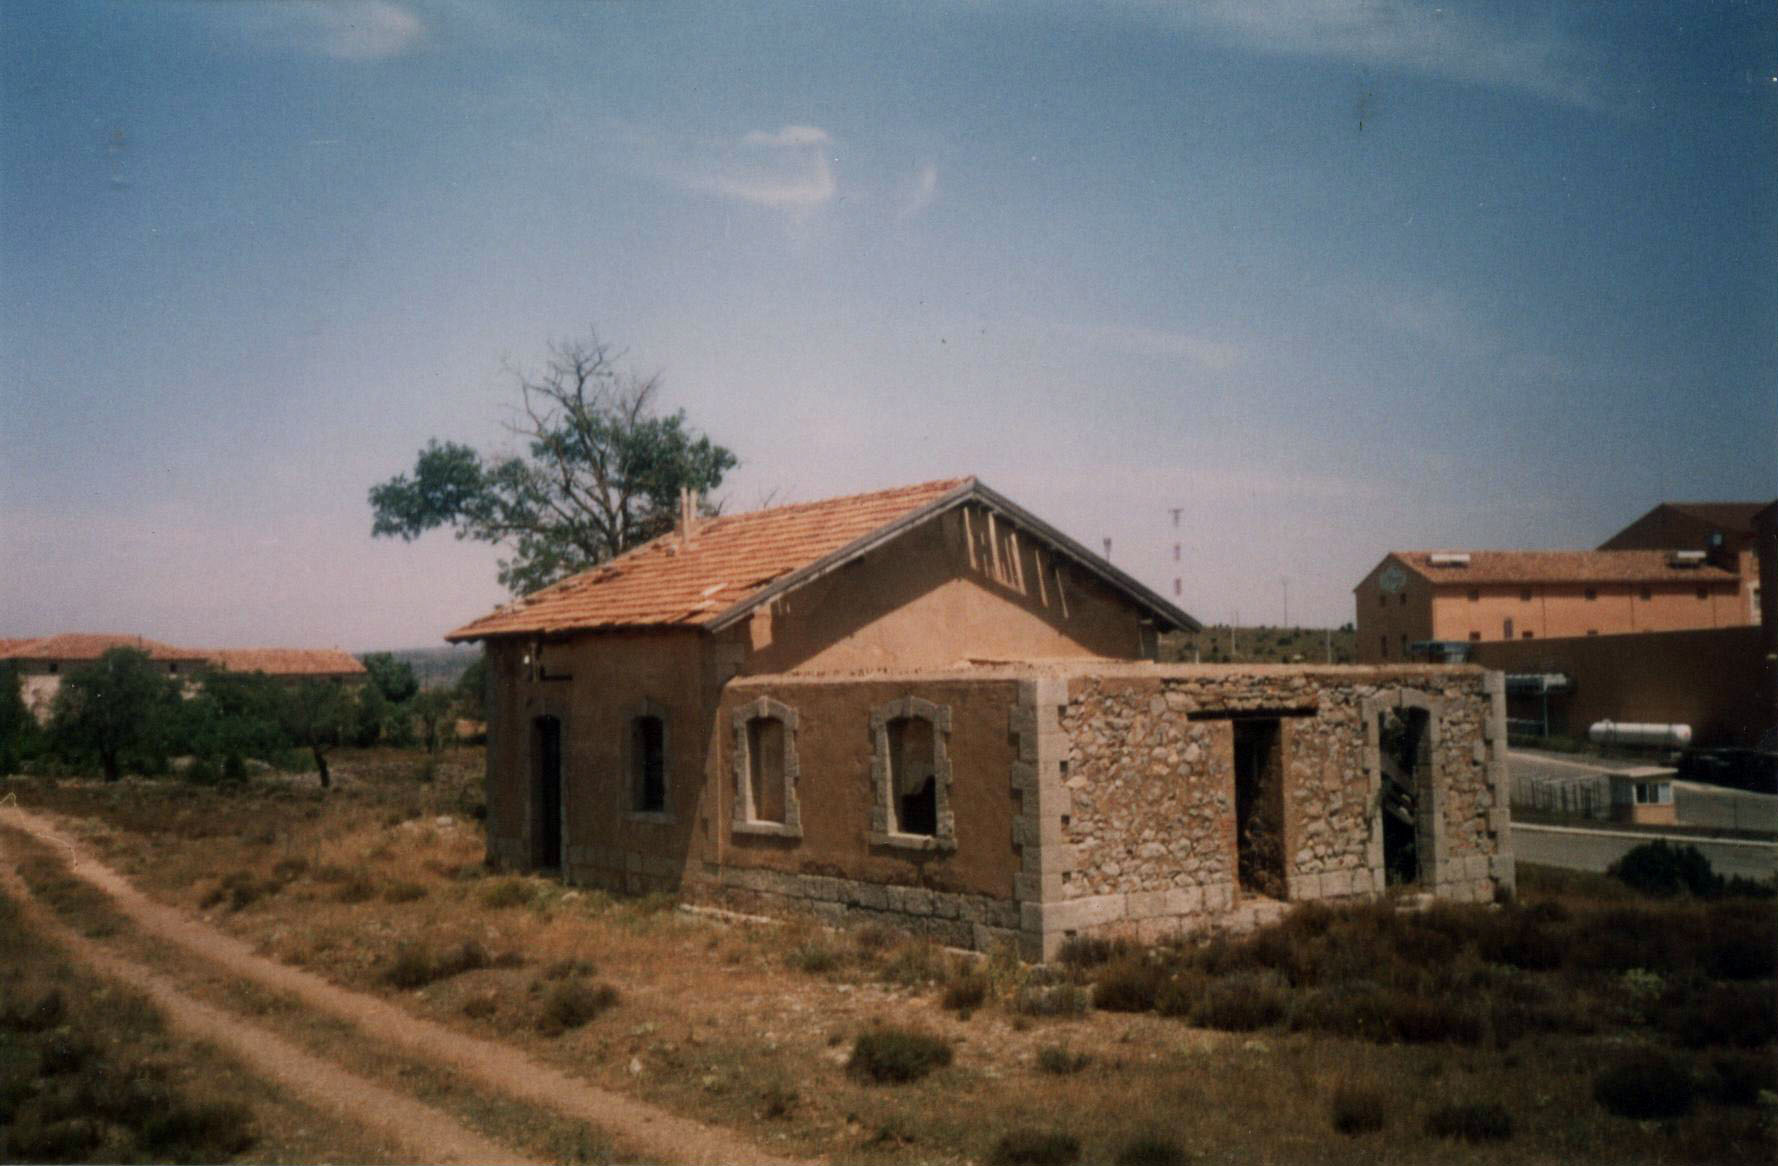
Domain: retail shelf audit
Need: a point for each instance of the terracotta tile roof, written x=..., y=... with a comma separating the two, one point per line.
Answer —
x=80, y=646
x=732, y=557
x=287, y=661
x=1562, y=567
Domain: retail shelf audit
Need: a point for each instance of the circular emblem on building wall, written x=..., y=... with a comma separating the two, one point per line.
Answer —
x=1393, y=578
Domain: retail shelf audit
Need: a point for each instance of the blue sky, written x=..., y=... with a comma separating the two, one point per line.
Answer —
x=1329, y=276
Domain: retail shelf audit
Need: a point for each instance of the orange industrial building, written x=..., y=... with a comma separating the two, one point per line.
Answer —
x=1680, y=567
x=1668, y=623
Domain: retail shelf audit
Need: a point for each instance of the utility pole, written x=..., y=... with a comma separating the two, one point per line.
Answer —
x=1107, y=550
x=1329, y=632
x=1232, y=627
x=1286, y=582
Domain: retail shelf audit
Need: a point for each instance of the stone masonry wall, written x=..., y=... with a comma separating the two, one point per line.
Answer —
x=1121, y=790
x=1147, y=835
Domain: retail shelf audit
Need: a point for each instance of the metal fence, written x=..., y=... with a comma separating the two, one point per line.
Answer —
x=1585, y=795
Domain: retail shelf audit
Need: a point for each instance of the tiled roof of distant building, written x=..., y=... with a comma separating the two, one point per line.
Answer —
x=1560, y=567
x=287, y=661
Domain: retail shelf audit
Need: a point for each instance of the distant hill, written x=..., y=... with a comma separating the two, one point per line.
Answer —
x=1262, y=645
x=435, y=667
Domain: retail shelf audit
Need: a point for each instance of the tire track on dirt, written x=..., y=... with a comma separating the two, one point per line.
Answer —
x=428, y=1134
x=646, y=1127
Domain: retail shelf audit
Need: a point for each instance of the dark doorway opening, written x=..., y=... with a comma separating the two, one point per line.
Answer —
x=1259, y=806
x=1404, y=748
x=546, y=823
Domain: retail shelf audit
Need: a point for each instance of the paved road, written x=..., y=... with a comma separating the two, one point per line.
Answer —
x=1590, y=849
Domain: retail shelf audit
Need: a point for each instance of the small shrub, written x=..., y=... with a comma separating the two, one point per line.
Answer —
x=202, y=771
x=466, y=956
x=1431, y=1019
x=202, y=1132
x=503, y=893
x=914, y=963
x=1359, y=1109
x=480, y=1007
x=63, y=1052
x=288, y=870
x=1026, y=1147
x=1741, y=1015
x=1152, y=1150
x=1130, y=983
x=1242, y=1003
x=403, y=892
x=1662, y=870
x=813, y=956
x=891, y=1055
x=570, y=966
x=966, y=992
x=410, y=968
x=356, y=889
x=1061, y=1061
x=1086, y=951
x=1645, y=1085
x=1739, y=1078
x=874, y=938
x=237, y=890
x=571, y=1003
x=777, y=1100
x=1041, y=999
x=1483, y=1121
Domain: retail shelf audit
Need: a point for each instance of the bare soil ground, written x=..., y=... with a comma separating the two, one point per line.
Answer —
x=377, y=892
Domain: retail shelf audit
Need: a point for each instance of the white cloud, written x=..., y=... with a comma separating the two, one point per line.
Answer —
x=788, y=170
x=922, y=191
x=1449, y=42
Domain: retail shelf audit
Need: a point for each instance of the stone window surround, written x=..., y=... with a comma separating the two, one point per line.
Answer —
x=632, y=779
x=882, y=811
x=743, y=821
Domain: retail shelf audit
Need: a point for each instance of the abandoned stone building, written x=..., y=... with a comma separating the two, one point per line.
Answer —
x=928, y=706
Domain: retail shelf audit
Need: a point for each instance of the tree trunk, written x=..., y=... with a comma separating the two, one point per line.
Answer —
x=321, y=765
x=108, y=760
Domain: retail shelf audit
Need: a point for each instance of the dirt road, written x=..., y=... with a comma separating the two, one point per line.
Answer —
x=655, y=1132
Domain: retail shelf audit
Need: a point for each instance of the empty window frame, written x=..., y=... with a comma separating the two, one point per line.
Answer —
x=648, y=761
x=766, y=769
x=1592, y=594
x=911, y=775
x=1524, y=595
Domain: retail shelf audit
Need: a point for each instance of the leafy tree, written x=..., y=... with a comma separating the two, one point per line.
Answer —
x=119, y=703
x=602, y=472
x=434, y=708
x=234, y=715
x=472, y=689
x=370, y=714
x=317, y=715
x=393, y=678
x=18, y=728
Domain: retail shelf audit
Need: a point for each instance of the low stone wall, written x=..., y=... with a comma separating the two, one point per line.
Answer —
x=979, y=922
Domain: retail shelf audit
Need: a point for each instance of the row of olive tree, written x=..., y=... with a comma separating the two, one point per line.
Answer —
x=121, y=712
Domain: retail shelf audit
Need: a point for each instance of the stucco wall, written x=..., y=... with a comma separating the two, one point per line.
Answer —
x=938, y=595
x=594, y=685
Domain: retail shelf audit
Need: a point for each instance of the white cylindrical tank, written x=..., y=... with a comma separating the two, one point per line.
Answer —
x=1618, y=733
